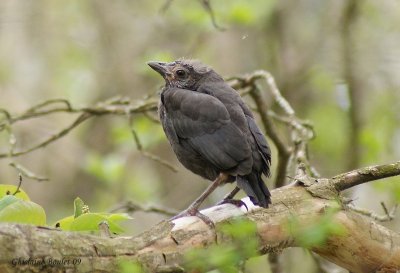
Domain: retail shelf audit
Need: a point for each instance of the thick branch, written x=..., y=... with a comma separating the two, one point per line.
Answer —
x=364, y=247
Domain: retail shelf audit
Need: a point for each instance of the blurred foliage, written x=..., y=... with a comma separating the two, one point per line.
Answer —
x=329, y=126
x=126, y=266
x=391, y=185
x=151, y=133
x=316, y=233
x=111, y=169
x=107, y=169
x=226, y=257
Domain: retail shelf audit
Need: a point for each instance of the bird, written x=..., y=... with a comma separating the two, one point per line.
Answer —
x=212, y=131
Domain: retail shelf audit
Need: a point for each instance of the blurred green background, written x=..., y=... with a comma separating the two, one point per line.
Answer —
x=337, y=63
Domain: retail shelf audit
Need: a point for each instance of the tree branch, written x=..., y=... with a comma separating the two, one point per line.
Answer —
x=115, y=106
x=284, y=151
x=131, y=206
x=300, y=132
x=363, y=175
x=51, y=139
x=364, y=246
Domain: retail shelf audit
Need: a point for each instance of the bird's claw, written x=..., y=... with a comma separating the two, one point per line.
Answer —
x=197, y=213
x=237, y=203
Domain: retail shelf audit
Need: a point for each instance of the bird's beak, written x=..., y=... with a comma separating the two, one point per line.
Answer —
x=161, y=68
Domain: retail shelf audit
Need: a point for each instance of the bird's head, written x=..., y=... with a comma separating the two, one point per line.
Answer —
x=185, y=74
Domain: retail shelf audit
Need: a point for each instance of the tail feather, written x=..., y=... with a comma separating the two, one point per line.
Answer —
x=255, y=188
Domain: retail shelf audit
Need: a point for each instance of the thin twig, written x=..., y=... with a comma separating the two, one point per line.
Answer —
x=386, y=210
x=388, y=216
x=301, y=132
x=51, y=139
x=115, y=106
x=159, y=160
x=19, y=184
x=27, y=173
x=148, y=115
x=207, y=7
x=151, y=156
x=131, y=206
x=136, y=138
x=64, y=102
x=280, y=100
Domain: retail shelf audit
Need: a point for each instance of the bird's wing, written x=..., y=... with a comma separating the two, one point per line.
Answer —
x=205, y=124
x=262, y=144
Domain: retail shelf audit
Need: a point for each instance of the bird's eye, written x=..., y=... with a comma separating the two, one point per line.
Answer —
x=181, y=73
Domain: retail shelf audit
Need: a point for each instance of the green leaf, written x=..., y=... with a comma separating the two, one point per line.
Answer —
x=64, y=223
x=10, y=189
x=117, y=217
x=22, y=211
x=90, y=222
x=78, y=207
x=83, y=220
x=7, y=200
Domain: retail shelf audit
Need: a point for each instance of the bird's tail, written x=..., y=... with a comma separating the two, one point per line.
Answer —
x=255, y=188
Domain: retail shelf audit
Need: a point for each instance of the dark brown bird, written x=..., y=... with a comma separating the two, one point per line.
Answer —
x=211, y=130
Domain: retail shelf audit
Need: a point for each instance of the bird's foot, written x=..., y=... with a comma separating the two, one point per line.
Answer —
x=237, y=203
x=197, y=213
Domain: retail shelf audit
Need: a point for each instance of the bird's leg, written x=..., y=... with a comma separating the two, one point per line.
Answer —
x=193, y=209
x=228, y=199
x=232, y=194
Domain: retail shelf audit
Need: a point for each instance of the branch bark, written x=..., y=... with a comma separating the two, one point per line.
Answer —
x=363, y=175
x=365, y=245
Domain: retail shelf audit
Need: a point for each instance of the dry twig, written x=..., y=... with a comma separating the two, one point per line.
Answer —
x=388, y=216
x=131, y=206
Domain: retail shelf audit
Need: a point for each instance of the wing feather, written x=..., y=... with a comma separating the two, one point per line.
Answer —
x=204, y=122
